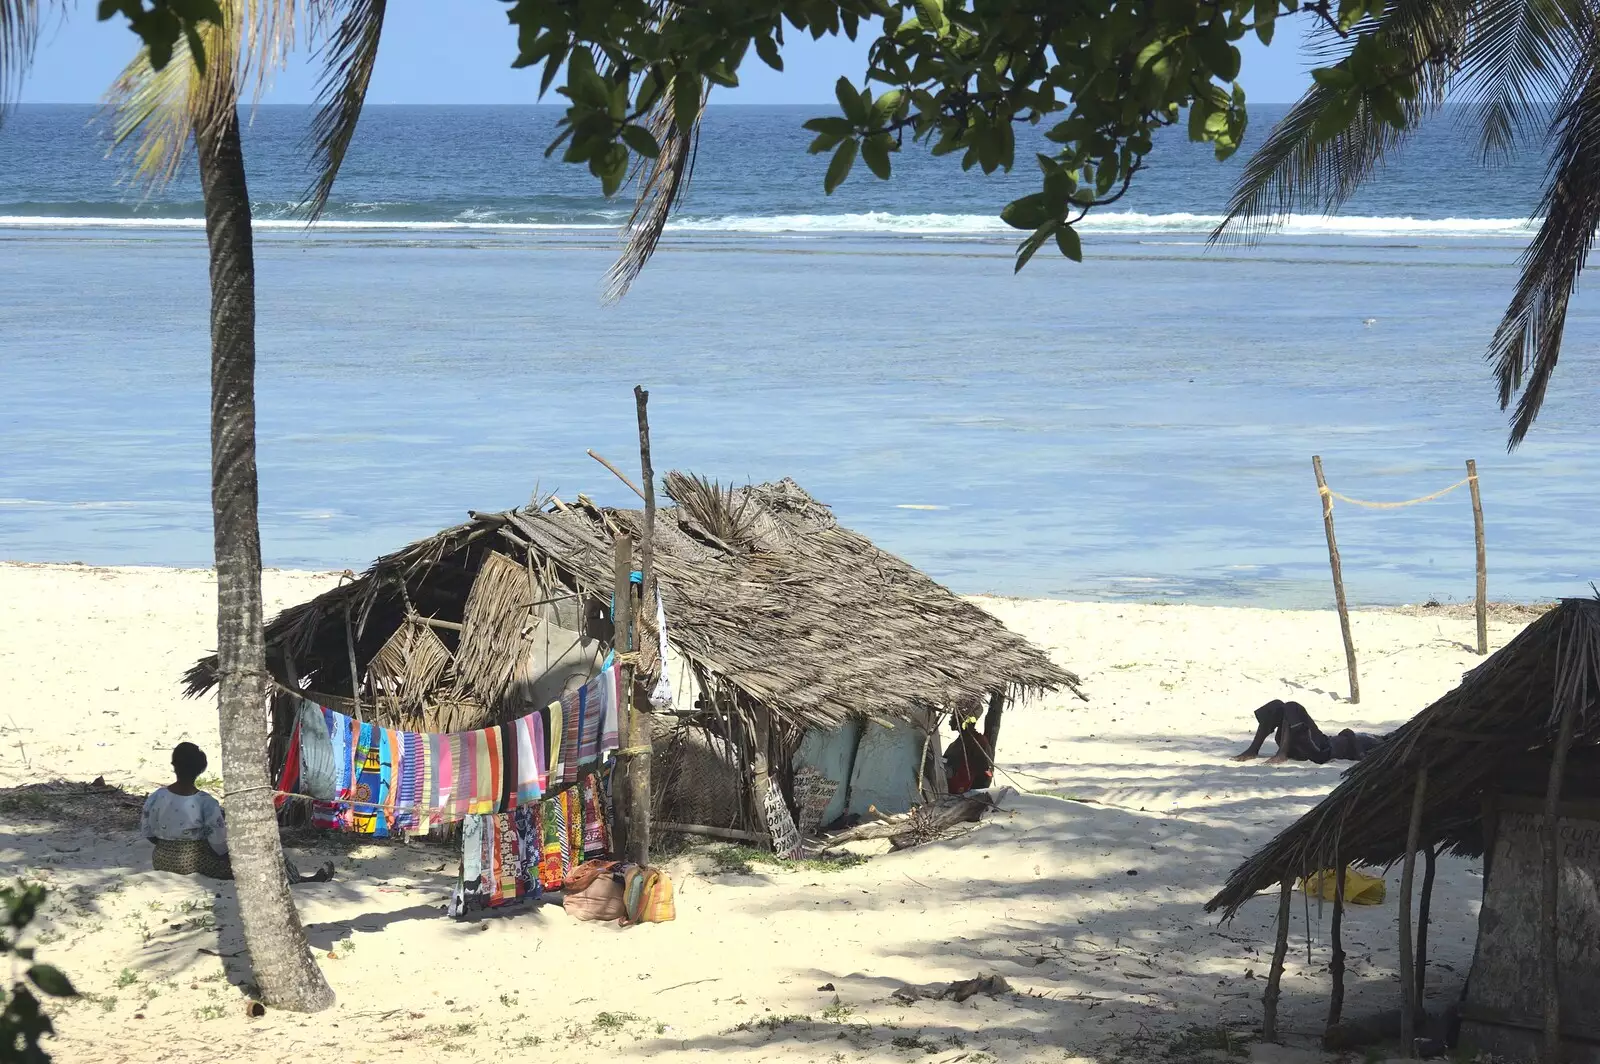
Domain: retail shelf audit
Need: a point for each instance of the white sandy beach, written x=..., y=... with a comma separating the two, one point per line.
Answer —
x=1086, y=895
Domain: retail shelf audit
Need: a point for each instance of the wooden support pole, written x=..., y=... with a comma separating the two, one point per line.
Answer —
x=1483, y=571
x=1280, y=950
x=1336, y=963
x=647, y=556
x=350, y=646
x=636, y=742
x=1338, y=579
x=1549, y=908
x=1408, y=986
x=639, y=731
x=1430, y=861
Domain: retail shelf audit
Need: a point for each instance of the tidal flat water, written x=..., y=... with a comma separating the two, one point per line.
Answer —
x=1138, y=426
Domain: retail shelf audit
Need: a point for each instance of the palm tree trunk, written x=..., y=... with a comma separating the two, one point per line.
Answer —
x=285, y=973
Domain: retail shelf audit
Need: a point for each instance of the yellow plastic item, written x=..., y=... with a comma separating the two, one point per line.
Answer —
x=1359, y=888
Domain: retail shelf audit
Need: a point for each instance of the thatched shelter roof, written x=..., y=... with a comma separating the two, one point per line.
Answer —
x=763, y=590
x=1492, y=734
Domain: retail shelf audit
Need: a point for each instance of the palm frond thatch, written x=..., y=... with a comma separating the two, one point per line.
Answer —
x=409, y=666
x=722, y=514
x=349, y=57
x=1493, y=733
x=492, y=620
x=815, y=625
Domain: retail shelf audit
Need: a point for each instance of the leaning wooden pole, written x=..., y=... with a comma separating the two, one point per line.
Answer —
x=1408, y=986
x=1549, y=908
x=1280, y=950
x=1483, y=570
x=1336, y=962
x=1430, y=863
x=1338, y=579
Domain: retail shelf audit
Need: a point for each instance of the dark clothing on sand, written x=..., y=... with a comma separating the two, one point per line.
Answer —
x=1299, y=738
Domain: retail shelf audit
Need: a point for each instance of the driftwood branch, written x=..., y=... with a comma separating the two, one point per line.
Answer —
x=939, y=817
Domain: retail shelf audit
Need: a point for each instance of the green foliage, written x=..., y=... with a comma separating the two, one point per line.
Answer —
x=956, y=76
x=159, y=23
x=23, y=1022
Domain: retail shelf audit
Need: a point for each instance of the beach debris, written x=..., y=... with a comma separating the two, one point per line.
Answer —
x=961, y=990
x=933, y=820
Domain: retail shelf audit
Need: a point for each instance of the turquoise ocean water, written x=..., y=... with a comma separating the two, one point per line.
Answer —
x=1139, y=426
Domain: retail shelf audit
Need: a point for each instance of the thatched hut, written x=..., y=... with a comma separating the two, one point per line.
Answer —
x=1506, y=767
x=797, y=650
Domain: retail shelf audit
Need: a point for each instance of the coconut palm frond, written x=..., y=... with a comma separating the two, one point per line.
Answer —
x=20, y=21
x=1520, y=56
x=659, y=190
x=1527, y=344
x=349, y=57
x=1297, y=168
x=155, y=111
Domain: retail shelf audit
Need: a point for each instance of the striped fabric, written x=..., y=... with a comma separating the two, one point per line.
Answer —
x=608, y=692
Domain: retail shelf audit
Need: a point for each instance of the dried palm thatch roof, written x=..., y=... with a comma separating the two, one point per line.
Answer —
x=1492, y=733
x=763, y=590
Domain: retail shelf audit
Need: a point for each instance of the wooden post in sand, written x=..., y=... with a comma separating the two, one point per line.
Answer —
x=637, y=766
x=1338, y=579
x=1549, y=910
x=1336, y=963
x=622, y=644
x=1430, y=864
x=1280, y=950
x=1408, y=985
x=1483, y=572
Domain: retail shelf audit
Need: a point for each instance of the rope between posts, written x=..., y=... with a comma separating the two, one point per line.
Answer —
x=1328, y=493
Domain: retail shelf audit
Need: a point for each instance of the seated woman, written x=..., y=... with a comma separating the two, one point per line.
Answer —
x=187, y=827
x=968, y=762
x=1299, y=738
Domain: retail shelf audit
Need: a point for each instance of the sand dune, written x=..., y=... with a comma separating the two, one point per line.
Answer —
x=1085, y=894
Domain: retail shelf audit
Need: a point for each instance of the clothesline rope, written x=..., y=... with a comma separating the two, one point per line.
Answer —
x=1329, y=493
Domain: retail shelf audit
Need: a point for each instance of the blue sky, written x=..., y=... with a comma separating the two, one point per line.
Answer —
x=460, y=53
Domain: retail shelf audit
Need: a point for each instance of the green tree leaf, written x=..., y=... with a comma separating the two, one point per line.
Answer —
x=875, y=153
x=1067, y=240
x=839, y=168
x=850, y=102
x=1029, y=212
x=685, y=101
x=641, y=140
x=767, y=49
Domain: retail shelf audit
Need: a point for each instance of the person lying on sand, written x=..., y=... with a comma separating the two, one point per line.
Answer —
x=187, y=827
x=1299, y=738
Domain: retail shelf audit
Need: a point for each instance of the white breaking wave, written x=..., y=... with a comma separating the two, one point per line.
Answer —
x=871, y=223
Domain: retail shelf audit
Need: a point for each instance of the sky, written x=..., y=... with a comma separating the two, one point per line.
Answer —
x=460, y=53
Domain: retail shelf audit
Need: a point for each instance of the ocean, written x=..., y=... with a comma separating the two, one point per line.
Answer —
x=1137, y=426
